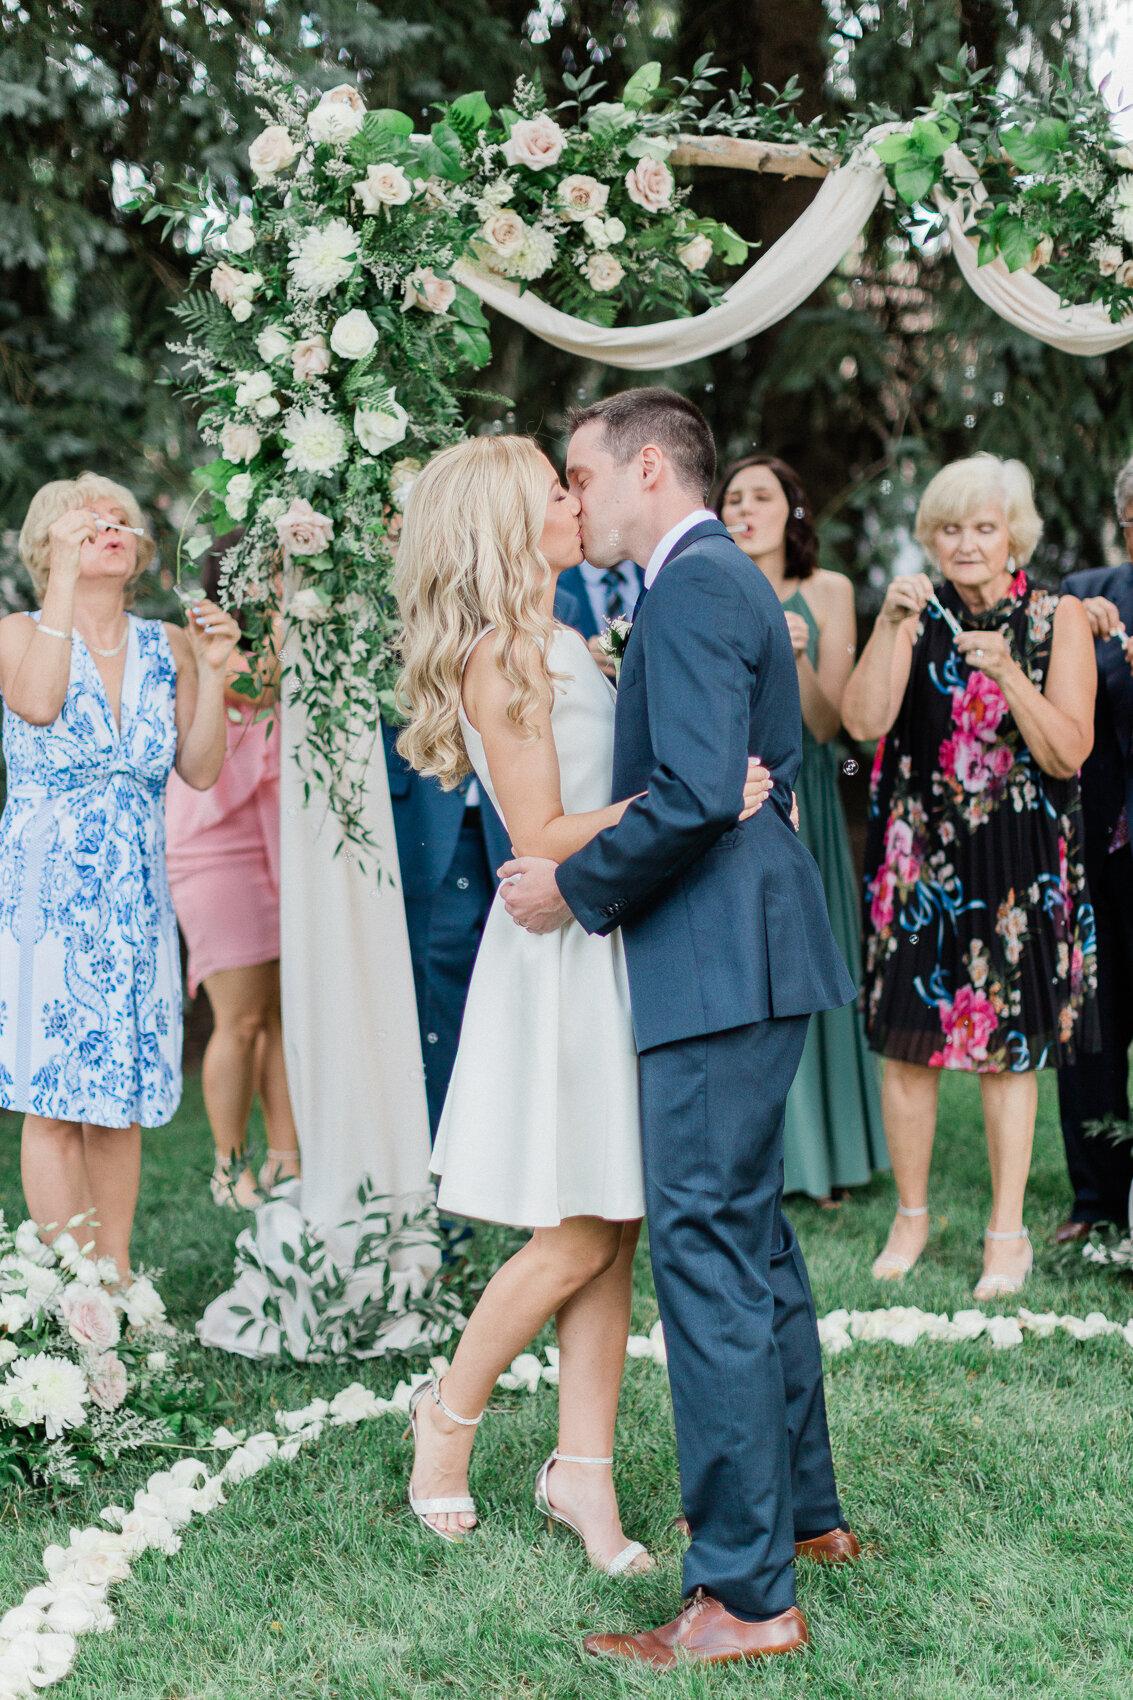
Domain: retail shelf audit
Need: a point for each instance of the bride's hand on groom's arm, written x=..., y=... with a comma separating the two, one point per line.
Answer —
x=757, y=787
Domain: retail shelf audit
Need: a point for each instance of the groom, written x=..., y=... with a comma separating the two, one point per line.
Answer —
x=729, y=952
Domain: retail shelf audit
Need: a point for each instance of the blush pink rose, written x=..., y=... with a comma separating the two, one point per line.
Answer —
x=90, y=1317
x=239, y=442
x=271, y=152
x=302, y=531
x=424, y=289
x=650, y=185
x=106, y=1380
x=534, y=142
x=310, y=358
x=347, y=95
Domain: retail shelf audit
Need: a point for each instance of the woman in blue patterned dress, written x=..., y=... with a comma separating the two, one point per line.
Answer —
x=98, y=707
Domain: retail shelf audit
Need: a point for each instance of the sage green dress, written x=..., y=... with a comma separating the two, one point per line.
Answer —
x=833, y=1135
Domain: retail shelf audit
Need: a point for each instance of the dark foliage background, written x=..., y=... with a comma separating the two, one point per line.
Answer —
x=889, y=370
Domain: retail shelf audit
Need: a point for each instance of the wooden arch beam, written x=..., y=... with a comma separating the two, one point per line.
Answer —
x=781, y=159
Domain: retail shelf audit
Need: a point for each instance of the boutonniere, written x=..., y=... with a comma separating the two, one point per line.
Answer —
x=613, y=640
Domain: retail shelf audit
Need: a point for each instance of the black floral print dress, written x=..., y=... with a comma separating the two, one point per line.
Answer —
x=979, y=935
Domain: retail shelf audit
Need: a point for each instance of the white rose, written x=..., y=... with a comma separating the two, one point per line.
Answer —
x=239, y=493
x=316, y=442
x=504, y=233
x=8, y=1351
x=1122, y=202
x=604, y=272
x=306, y=605
x=266, y=408
x=615, y=231
x=240, y=237
x=579, y=197
x=1124, y=274
x=424, y=289
x=310, y=358
x=1124, y=158
x=534, y=142
x=272, y=344
x=695, y=254
x=595, y=230
x=1041, y=256
x=1107, y=256
x=650, y=185
x=142, y=1304
x=239, y=442
x=252, y=387
x=272, y=152
x=354, y=336
x=14, y=1313
x=241, y=311
x=234, y=288
x=382, y=186
x=29, y=1244
x=334, y=121
x=378, y=428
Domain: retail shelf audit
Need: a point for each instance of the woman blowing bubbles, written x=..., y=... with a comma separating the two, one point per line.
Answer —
x=99, y=706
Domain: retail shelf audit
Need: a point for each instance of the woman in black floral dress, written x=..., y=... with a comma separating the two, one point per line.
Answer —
x=979, y=939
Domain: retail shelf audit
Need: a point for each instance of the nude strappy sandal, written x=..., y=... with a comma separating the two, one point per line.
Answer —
x=423, y=1509
x=1003, y=1286
x=633, y=1550
x=894, y=1265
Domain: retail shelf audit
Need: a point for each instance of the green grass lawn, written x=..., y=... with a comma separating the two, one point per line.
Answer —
x=993, y=1490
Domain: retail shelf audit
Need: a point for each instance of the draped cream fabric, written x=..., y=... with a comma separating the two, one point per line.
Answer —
x=792, y=268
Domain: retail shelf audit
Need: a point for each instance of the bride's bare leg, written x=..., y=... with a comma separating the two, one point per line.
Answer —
x=593, y=1327
x=521, y=1296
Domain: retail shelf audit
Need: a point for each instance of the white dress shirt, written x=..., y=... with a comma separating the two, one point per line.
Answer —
x=671, y=538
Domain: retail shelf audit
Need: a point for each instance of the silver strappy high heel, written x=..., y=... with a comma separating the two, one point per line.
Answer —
x=1003, y=1286
x=617, y=1566
x=423, y=1509
x=894, y=1265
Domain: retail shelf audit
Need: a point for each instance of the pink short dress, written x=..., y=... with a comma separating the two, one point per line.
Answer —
x=222, y=855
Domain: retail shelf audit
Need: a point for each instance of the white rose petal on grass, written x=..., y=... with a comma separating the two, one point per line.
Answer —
x=334, y=121
x=354, y=336
x=240, y=237
x=604, y=272
x=379, y=427
x=650, y=185
x=579, y=197
x=316, y=442
x=44, y=1389
x=355, y=1404
x=534, y=142
x=272, y=344
x=323, y=258
x=272, y=152
x=383, y=186
x=432, y=294
x=695, y=254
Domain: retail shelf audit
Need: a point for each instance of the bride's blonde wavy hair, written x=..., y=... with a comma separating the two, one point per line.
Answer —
x=469, y=557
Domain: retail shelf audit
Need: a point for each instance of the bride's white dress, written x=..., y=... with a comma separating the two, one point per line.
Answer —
x=541, y=1120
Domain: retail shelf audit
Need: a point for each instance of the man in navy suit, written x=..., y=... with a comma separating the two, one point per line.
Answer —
x=729, y=952
x=449, y=844
x=602, y=593
x=1095, y=1089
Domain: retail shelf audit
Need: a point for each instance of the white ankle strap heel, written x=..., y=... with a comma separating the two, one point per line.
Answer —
x=629, y=1553
x=894, y=1265
x=1003, y=1286
x=423, y=1509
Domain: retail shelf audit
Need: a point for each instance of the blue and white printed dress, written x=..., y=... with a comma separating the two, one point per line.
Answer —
x=90, y=973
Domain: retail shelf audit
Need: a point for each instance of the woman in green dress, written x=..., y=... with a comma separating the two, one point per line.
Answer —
x=833, y=1136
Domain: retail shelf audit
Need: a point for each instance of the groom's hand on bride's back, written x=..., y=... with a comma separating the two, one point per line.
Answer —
x=531, y=895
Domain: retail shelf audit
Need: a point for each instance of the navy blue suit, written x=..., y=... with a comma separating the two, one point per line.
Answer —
x=1096, y=1087
x=729, y=951
x=574, y=585
x=448, y=855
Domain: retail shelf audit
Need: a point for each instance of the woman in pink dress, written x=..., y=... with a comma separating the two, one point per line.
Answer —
x=222, y=852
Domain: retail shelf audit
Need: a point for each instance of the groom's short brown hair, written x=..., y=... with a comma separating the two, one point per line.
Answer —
x=648, y=415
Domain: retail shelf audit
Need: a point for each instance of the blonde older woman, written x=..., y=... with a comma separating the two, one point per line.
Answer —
x=980, y=951
x=98, y=707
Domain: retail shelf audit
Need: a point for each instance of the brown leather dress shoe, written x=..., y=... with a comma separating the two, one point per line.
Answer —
x=1071, y=1231
x=706, y=1633
x=836, y=1546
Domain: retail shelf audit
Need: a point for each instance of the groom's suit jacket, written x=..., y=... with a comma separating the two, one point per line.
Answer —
x=723, y=924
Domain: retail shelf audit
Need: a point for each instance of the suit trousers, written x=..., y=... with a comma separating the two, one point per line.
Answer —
x=745, y=1367
x=444, y=936
x=1096, y=1087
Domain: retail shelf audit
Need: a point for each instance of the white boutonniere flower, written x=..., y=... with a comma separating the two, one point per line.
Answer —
x=613, y=640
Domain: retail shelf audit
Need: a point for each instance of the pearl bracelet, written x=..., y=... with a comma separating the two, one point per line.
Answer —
x=52, y=631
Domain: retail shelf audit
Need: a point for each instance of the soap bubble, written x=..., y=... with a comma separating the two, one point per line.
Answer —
x=969, y=421
x=849, y=768
x=914, y=938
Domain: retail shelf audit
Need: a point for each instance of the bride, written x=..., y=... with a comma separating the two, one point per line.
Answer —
x=540, y=1128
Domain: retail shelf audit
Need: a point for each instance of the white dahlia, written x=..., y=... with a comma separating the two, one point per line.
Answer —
x=45, y=1389
x=315, y=441
x=535, y=256
x=323, y=258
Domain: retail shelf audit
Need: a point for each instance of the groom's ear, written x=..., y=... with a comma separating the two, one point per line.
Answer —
x=652, y=465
